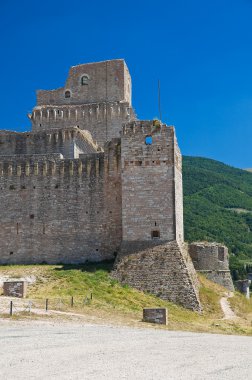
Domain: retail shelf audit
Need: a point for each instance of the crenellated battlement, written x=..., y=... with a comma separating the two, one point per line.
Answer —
x=147, y=127
x=87, y=165
x=69, y=142
x=48, y=114
x=102, y=120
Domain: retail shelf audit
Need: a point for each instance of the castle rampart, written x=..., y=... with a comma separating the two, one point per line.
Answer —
x=70, y=142
x=54, y=209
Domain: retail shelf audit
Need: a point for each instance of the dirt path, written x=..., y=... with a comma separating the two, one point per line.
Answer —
x=228, y=312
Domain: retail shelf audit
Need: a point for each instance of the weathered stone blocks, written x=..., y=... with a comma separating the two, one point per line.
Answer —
x=163, y=269
x=157, y=315
x=211, y=259
x=15, y=289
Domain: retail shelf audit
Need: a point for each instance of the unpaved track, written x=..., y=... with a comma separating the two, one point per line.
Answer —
x=70, y=351
x=226, y=308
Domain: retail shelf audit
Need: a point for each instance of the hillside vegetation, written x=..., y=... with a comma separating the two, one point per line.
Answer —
x=218, y=207
x=117, y=304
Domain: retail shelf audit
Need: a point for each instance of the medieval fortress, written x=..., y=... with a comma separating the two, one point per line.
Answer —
x=91, y=182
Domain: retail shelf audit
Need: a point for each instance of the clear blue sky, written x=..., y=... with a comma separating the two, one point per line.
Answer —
x=200, y=50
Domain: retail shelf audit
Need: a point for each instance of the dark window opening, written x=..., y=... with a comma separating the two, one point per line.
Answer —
x=23, y=187
x=221, y=254
x=84, y=80
x=56, y=186
x=155, y=234
x=58, y=112
x=32, y=216
x=97, y=249
x=155, y=223
x=11, y=253
x=67, y=94
x=12, y=187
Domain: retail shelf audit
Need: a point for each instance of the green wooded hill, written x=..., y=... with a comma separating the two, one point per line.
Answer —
x=218, y=207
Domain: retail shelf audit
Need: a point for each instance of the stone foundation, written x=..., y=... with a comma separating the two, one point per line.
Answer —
x=221, y=277
x=163, y=269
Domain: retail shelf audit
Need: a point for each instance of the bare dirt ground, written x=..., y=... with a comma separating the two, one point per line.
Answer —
x=225, y=306
x=79, y=350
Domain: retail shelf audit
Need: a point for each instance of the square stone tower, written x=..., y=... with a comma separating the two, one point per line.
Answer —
x=96, y=97
x=152, y=199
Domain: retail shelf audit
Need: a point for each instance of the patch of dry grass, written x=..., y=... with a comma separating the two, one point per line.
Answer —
x=114, y=303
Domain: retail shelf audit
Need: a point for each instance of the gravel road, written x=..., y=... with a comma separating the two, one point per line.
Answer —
x=70, y=351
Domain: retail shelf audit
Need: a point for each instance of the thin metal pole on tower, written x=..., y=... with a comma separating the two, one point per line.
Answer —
x=159, y=101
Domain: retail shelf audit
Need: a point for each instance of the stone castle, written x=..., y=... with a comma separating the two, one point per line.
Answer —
x=91, y=182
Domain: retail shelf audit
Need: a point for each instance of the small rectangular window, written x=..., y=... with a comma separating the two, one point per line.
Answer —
x=221, y=253
x=155, y=234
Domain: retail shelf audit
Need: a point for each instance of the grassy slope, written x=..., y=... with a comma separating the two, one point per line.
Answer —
x=214, y=195
x=122, y=304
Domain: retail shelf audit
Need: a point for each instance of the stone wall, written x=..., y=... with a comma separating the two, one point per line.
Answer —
x=164, y=270
x=61, y=210
x=211, y=259
x=105, y=81
x=103, y=120
x=150, y=190
x=179, y=219
x=100, y=104
x=70, y=143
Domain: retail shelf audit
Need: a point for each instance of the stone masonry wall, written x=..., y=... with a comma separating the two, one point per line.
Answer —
x=149, y=184
x=211, y=259
x=179, y=220
x=70, y=143
x=164, y=270
x=100, y=104
x=103, y=120
x=105, y=81
x=60, y=210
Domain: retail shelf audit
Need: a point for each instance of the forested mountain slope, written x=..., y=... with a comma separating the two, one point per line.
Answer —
x=218, y=206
